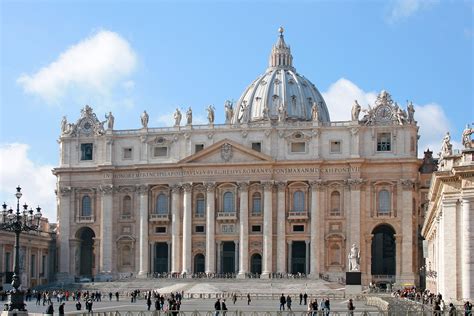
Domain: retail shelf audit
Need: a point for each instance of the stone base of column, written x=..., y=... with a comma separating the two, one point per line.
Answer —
x=186, y=274
x=313, y=276
x=241, y=275
x=64, y=278
x=103, y=277
x=406, y=278
x=265, y=275
x=142, y=275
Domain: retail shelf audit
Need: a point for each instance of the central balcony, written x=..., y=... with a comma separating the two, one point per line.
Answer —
x=227, y=216
x=297, y=216
x=163, y=218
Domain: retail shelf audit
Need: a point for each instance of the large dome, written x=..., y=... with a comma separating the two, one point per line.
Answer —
x=280, y=93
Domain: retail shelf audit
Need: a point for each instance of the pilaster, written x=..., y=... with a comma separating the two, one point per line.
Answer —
x=244, y=230
x=267, y=229
x=281, y=229
x=105, y=263
x=143, y=237
x=175, y=228
x=210, y=229
x=187, y=230
x=64, y=208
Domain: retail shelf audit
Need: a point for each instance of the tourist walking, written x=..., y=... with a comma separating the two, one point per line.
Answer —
x=89, y=305
x=234, y=298
x=248, y=299
x=301, y=298
x=467, y=308
x=305, y=298
x=61, y=309
x=282, y=302
x=350, y=307
x=217, y=307
x=78, y=305
x=224, y=308
x=288, y=302
x=452, y=310
x=50, y=309
x=327, y=306
x=315, y=306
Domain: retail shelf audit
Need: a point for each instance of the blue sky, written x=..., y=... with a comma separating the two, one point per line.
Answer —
x=128, y=56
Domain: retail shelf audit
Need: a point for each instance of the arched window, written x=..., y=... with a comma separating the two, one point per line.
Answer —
x=200, y=205
x=86, y=207
x=335, y=204
x=298, y=201
x=256, y=203
x=162, y=204
x=384, y=202
x=126, y=205
x=228, y=202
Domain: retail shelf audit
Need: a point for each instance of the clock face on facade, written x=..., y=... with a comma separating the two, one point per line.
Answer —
x=384, y=113
x=87, y=126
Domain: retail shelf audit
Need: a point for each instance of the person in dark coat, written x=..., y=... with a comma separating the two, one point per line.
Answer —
x=217, y=307
x=282, y=301
x=50, y=309
x=224, y=308
x=61, y=309
x=78, y=305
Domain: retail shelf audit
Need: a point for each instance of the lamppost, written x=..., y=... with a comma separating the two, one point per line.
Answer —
x=18, y=222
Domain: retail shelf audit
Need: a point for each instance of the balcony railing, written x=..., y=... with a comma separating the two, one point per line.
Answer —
x=297, y=215
x=85, y=219
x=256, y=214
x=159, y=217
x=199, y=215
x=226, y=215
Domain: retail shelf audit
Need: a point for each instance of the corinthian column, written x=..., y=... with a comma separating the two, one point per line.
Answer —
x=175, y=228
x=210, y=230
x=281, y=233
x=314, y=268
x=143, y=238
x=467, y=250
x=354, y=215
x=105, y=262
x=64, y=214
x=267, y=229
x=244, y=230
x=187, y=202
x=407, y=274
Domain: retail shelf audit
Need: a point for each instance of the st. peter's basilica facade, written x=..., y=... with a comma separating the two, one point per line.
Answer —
x=277, y=189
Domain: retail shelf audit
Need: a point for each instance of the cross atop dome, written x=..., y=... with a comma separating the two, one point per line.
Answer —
x=281, y=54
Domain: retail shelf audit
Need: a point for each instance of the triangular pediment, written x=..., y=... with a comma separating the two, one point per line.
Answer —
x=227, y=151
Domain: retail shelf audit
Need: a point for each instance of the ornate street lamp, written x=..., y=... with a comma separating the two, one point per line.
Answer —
x=18, y=222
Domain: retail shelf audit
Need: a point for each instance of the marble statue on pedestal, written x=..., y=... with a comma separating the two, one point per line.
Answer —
x=354, y=258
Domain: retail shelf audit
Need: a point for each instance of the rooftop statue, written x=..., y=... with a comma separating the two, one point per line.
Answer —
x=411, y=112
x=145, y=119
x=210, y=114
x=110, y=120
x=466, y=137
x=281, y=113
x=314, y=112
x=446, y=147
x=189, y=116
x=229, y=111
x=356, y=108
x=177, y=117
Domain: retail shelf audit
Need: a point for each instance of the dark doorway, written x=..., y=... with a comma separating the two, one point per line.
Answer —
x=228, y=257
x=383, y=251
x=298, y=257
x=256, y=263
x=199, y=263
x=161, y=257
x=86, y=251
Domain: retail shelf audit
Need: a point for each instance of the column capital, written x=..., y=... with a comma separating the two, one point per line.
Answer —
x=318, y=184
x=65, y=191
x=106, y=189
x=355, y=184
x=142, y=189
x=243, y=186
x=175, y=188
x=210, y=186
x=187, y=187
x=268, y=185
x=281, y=185
x=407, y=184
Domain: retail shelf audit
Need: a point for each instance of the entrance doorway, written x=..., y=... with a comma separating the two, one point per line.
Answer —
x=256, y=263
x=199, y=263
x=161, y=257
x=228, y=257
x=298, y=257
x=383, y=251
x=86, y=251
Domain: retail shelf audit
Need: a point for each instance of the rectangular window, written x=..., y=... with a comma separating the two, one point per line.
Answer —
x=160, y=151
x=335, y=147
x=160, y=229
x=127, y=153
x=257, y=146
x=86, y=151
x=43, y=266
x=33, y=266
x=199, y=229
x=384, y=142
x=256, y=229
x=7, y=262
x=198, y=148
x=298, y=228
x=299, y=147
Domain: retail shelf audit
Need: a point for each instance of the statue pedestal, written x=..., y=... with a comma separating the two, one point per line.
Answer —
x=353, y=282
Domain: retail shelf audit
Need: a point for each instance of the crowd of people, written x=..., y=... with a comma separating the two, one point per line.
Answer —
x=434, y=301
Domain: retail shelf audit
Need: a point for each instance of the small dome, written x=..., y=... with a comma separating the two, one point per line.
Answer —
x=280, y=90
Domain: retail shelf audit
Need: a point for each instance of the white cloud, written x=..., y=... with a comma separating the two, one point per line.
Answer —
x=37, y=181
x=93, y=66
x=431, y=118
x=340, y=97
x=401, y=9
